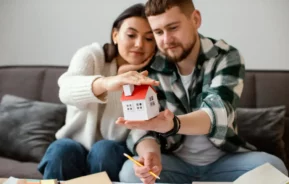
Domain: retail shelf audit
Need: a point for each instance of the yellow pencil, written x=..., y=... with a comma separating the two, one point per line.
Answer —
x=139, y=164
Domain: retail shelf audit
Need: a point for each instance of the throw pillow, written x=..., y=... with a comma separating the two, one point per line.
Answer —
x=28, y=127
x=264, y=128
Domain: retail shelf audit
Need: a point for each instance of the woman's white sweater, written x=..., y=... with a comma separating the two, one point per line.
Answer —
x=89, y=118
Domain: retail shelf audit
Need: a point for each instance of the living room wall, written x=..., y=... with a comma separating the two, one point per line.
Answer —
x=34, y=32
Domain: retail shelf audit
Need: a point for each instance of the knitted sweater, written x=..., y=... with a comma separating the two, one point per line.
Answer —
x=89, y=118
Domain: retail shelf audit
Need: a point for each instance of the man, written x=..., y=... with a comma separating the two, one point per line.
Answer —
x=201, y=81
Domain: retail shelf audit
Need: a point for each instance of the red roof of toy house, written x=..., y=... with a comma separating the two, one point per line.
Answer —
x=139, y=93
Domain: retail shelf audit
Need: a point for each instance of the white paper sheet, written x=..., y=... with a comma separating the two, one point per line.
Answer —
x=265, y=174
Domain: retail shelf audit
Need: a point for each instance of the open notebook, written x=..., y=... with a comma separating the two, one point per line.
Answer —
x=264, y=174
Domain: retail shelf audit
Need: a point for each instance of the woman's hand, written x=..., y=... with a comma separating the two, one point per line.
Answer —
x=114, y=83
x=130, y=67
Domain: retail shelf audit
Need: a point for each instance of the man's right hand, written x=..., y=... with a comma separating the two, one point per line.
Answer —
x=151, y=162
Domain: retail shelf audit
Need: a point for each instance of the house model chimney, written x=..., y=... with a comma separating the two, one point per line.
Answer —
x=128, y=89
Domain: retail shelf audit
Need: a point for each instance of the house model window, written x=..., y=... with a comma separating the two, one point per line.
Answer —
x=139, y=106
x=129, y=107
x=152, y=102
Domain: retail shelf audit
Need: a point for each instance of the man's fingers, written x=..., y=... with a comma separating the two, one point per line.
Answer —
x=168, y=114
x=151, y=180
x=148, y=180
x=141, y=172
x=141, y=160
x=144, y=175
x=137, y=123
x=155, y=169
x=149, y=162
x=146, y=124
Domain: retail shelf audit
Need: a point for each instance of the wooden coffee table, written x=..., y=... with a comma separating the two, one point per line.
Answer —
x=2, y=180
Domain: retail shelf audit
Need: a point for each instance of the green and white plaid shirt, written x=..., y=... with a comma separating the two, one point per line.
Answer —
x=217, y=84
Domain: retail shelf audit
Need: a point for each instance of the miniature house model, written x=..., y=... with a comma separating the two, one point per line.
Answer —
x=139, y=102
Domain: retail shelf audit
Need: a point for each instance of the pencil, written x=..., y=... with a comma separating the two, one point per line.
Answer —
x=139, y=164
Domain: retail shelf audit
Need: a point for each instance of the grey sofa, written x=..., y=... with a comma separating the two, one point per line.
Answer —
x=262, y=89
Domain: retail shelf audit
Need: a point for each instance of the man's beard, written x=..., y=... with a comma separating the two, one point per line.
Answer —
x=184, y=54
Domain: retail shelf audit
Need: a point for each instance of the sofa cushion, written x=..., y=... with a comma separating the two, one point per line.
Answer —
x=28, y=127
x=264, y=128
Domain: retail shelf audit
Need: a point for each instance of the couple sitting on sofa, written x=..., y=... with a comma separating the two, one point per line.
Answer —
x=199, y=82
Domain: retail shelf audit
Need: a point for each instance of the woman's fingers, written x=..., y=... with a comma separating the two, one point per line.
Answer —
x=145, y=73
x=146, y=80
x=136, y=78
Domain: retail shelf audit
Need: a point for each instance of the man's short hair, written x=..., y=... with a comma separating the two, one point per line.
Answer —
x=156, y=7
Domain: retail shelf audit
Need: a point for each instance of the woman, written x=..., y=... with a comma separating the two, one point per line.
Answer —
x=90, y=141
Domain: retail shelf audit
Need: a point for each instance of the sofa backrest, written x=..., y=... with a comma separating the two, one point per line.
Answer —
x=31, y=82
x=262, y=88
x=268, y=89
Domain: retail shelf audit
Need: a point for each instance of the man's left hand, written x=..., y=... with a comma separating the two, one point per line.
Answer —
x=151, y=162
x=162, y=123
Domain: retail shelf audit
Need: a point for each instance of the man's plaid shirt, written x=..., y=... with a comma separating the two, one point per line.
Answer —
x=217, y=84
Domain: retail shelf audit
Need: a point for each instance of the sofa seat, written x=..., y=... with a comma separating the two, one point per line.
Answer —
x=18, y=169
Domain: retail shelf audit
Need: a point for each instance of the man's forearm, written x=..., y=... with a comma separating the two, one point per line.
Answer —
x=148, y=145
x=195, y=123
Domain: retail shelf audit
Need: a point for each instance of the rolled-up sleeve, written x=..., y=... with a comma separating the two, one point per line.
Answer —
x=221, y=97
x=136, y=136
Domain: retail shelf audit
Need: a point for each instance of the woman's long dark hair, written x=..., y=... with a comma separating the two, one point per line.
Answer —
x=137, y=10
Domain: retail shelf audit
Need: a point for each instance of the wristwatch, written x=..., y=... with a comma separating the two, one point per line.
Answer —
x=175, y=129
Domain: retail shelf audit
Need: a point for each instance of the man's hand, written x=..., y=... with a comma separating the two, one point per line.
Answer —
x=194, y=123
x=162, y=123
x=151, y=162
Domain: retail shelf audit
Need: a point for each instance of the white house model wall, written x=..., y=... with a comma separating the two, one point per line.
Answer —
x=152, y=104
x=141, y=109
